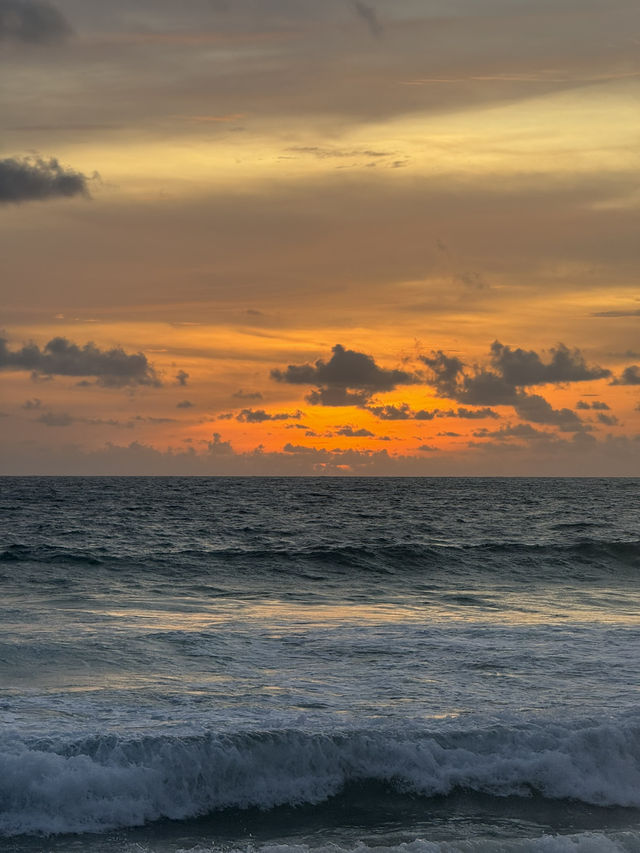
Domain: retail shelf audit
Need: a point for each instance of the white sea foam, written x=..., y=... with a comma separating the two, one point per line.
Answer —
x=584, y=842
x=106, y=782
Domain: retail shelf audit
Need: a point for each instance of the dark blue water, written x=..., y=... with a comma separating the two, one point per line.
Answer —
x=414, y=665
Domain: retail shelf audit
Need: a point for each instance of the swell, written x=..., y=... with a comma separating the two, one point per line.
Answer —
x=388, y=558
x=107, y=782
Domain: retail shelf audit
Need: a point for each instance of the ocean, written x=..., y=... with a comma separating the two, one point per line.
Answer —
x=319, y=665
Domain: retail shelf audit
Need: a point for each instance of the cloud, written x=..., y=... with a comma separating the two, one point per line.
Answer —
x=53, y=419
x=607, y=420
x=631, y=313
x=471, y=414
x=580, y=455
x=533, y=407
x=392, y=413
x=350, y=432
x=258, y=416
x=31, y=21
x=35, y=403
x=349, y=378
x=598, y=405
x=521, y=367
x=403, y=412
x=510, y=371
x=184, y=404
x=517, y=431
x=112, y=368
x=630, y=376
x=240, y=394
x=181, y=377
x=369, y=16
x=36, y=179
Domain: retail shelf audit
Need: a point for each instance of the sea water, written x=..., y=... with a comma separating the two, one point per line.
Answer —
x=312, y=665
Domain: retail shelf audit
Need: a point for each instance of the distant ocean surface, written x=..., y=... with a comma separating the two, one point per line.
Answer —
x=319, y=665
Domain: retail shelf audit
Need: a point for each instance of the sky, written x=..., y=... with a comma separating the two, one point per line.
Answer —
x=285, y=237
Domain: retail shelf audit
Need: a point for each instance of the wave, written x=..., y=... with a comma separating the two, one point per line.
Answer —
x=385, y=558
x=108, y=782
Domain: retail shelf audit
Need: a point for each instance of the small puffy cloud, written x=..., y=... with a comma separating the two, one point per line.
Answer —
x=240, y=394
x=517, y=431
x=34, y=403
x=597, y=405
x=349, y=378
x=427, y=448
x=35, y=179
x=112, y=368
x=56, y=419
x=336, y=396
x=630, y=376
x=181, y=377
x=607, y=420
x=392, y=413
x=258, y=416
x=471, y=414
x=31, y=21
x=350, y=432
x=218, y=447
x=184, y=404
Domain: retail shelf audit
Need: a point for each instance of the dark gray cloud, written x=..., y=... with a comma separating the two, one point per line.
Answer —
x=349, y=378
x=533, y=407
x=403, y=412
x=181, y=377
x=31, y=21
x=184, y=404
x=35, y=403
x=350, y=432
x=511, y=370
x=258, y=416
x=598, y=405
x=521, y=368
x=629, y=376
x=607, y=420
x=471, y=414
x=392, y=413
x=56, y=419
x=247, y=395
x=112, y=368
x=369, y=16
x=517, y=431
x=36, y=179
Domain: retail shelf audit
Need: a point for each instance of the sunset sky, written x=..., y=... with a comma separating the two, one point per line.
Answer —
x=302, y=237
